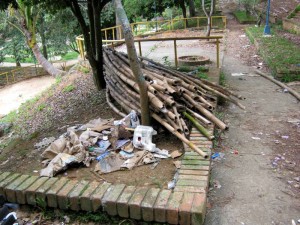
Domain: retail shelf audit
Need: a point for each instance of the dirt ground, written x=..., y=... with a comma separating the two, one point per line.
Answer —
x=256, y=186
x=12, y=96
x=260, y=183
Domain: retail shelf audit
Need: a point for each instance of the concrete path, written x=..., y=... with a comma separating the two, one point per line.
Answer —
x=12, y=96
x=253, y=191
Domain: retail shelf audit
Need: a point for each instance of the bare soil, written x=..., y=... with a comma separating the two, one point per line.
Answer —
x=66, y=108
x=257, y=180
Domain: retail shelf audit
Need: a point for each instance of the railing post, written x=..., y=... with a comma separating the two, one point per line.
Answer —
x=13, y=74
x=198, y=23
x=105, y=33
x=140, y=48
x=218, y=53
x=184, y=23
x=211, y=19
x=113, y=30
x=175, y=52
x=120, y=32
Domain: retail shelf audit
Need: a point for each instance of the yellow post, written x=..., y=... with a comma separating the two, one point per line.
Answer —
x=218, y=54
x=175, y=52
x=105, y=34
x=113, y=30
x=140, y=48
x=120, y=33
x=82, y=49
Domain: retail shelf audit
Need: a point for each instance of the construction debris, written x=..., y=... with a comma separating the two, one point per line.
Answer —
x=172, y=95
x=108, y=142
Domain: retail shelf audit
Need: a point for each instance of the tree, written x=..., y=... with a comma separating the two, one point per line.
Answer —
x=208, y=15
x=192, y=8
x=134, y=62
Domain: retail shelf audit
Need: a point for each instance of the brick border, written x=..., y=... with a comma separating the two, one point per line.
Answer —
x=185, y=205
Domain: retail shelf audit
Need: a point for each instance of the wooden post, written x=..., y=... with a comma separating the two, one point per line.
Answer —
x=105, y=33
x=175, y=52
x=218, y=53
x=140, y=48
x=197, y=22
x=184, y=23
x=113, y=30
x=211, y=24
x=13, y=73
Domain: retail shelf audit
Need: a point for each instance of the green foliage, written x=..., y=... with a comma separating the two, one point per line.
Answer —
x=202, y=75
x=166, y=61
x=70, y=56
x=244, y=17
x=41, y=107
x=280, y=54
x=69, y=88
x=222, y=80
x=10, y=117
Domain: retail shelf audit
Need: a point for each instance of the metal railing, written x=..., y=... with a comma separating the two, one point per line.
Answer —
x=20, y=73
x=174, y=39
x=113, y=35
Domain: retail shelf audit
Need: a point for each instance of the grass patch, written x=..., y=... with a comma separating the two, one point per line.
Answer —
x=281, y=55
x=243, y=17
x=70, y=56
x=69, y=88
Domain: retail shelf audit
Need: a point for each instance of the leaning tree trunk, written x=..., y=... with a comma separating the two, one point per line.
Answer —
x=39, y=56
x=44, y=62
x=134, y=63
x=31, y=42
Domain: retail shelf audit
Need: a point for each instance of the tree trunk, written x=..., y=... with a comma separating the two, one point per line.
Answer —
x=208, y=15
x=183, y=8
x=192, y=8
x=134, y=63
x=43, y=37
x=44, y=62
x=92, y=38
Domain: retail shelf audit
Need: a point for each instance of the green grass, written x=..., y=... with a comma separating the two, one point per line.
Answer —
x=70, y=56
x=242, y=17
x=12, y=60
x=69, y=88
x=280, y=54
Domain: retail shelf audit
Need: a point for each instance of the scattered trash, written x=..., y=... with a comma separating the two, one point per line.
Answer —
x=217, y=184
x=107, y=141
x=7, y=217
x=293, y=222
x=172, y=183
x=255, y=138
x=235, y=152
x=126, y=155
x=142, y=138
x=44, y=143
x=176, y=154
x=238, y=74
x=177, y=164
x=285, y=90
x=285, y=137
x=218, y=155
x=242, y=35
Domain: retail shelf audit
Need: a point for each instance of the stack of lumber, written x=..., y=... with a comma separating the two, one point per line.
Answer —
x=174, y=97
